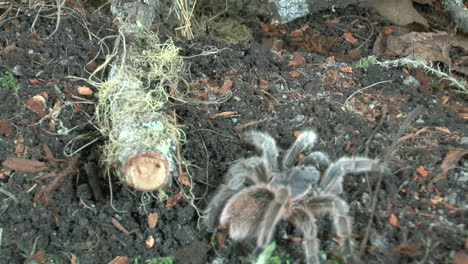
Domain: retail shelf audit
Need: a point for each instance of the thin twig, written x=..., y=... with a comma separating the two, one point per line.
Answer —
x=388, y=154
x=369, y=140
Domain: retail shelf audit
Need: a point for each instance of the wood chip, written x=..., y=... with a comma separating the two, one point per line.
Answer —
x=349, y=37
x=5, y=128
x=293, y=74
x=184, y=180
x=83, y=90
x=454, y=155
x=347, y=69
x=241, y=127
x=37, y=105
x=149, y=241
x=173, y=200
x=297, y=59
x=393, y=220
x=24, y=165
x=119, y=260
x=229, y=113
x=422, y=172
x=152, y=220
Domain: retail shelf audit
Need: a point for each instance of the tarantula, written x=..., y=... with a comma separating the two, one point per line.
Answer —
x=258, y=193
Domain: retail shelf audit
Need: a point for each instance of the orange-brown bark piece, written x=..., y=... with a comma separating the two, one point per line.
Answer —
x=24, y=165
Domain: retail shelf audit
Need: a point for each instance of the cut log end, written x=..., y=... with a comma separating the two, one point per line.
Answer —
x=146, y=171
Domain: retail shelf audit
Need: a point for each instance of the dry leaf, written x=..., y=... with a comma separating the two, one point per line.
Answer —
x=5, y=128
x=149, y=241
x=421, y=46
x=461, y=257
x=331, y=59
x=347, y=69
x=119, y=260
x=453, y=156
x=37, y=105
x=297, y=33
x=24, y=165
x=444, y=130
x=265, y=27
x=333, y=21
x=297, y=59
x=399, y=12
x=394, y=220
x=152, y=220
x=184, y=180
x=173, y=200
x=349, y=37
x=83, y=90
x=213, y=116
x=463, y=115
x=422, y=172
x=436, y=199
x=294, y=74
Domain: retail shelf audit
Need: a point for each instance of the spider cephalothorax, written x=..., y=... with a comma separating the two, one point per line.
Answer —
x=258, y=193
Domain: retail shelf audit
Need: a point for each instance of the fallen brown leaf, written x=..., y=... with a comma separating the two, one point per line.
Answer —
x=422, y=172
x=149, y=241
x=5, y=128
x=24, y=165
x=436, y=199
x=333, y=21
x=37, y=105
x=444, y=130
x=119, y=260
x=184, y=180
x=241, y=127
x=454, y=155
x=347, y=69
x=393, y=220
x=297, y=59
x=83, y=90
x=297, y=33
x=399, y=12
x=461, y=257
x=173, y=200
x=349, y=37
x=265, y=27
x=213, y=116
x=152, y=220
x=227, y=87
x=293, y=74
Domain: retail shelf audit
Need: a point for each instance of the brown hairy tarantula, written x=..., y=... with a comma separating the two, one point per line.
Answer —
x=258, y=193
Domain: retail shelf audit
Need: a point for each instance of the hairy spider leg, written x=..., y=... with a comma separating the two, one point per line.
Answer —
x=216, y=205
x=276, y=211
x=318, y=159
x=338, y=210
x=266, y=144
x=333, y=177
x=305, y=221
x=304, y=142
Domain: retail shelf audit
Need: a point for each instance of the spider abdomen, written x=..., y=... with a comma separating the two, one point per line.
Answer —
x=245, y=210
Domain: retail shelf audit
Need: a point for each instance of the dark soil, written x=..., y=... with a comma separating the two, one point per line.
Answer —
x=75, y=224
